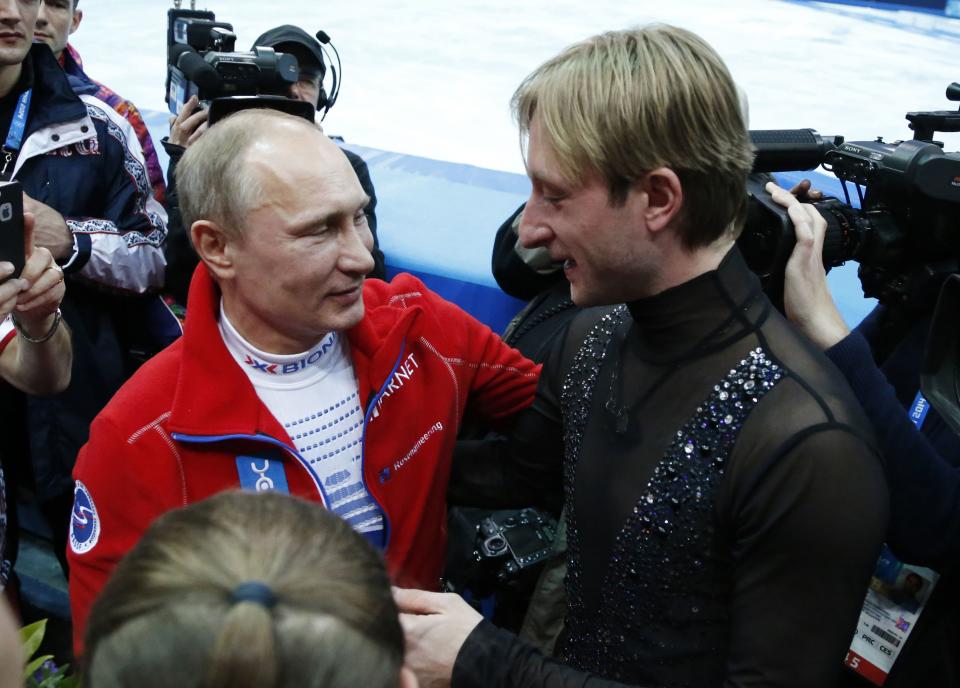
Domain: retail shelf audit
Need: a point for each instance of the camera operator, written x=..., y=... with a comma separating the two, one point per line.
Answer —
x=921, y=457
x=191, y=123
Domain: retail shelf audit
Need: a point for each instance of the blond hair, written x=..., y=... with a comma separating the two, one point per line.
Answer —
x=167, y=619
x=214, y=181
x=624, y=103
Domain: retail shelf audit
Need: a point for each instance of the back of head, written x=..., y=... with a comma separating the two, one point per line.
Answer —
x=173, y=614
x=215, y=182
x=627, y=102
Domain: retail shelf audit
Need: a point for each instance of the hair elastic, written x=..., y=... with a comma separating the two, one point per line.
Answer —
x=257, y=592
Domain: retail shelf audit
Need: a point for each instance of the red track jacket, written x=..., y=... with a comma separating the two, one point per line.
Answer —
x=184, y=424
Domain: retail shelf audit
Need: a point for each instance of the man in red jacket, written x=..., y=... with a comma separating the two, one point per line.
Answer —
x=293, y=373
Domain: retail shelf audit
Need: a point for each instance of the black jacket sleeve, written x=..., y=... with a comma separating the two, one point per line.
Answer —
x=494, y=658
x=925, y=486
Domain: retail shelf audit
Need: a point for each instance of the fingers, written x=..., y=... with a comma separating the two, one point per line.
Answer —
x=781, y=196
x=198, y=133
x=29, y=224
x=10, y=288
x=808, y=224
x=420, y=601
x=45, y=283
x=188, y=109
x=804, y=192
x=801, y=188
x=186, y=127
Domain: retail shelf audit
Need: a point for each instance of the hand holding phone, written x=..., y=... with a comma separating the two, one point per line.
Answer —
x=12, y=246
x=44, y=285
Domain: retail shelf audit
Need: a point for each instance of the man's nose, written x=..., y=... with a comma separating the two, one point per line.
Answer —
x=9, y=11
x=355, y=256
x=532, y=232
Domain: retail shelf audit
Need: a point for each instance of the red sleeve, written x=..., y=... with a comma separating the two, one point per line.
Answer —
x=123, y=482
x=501, y=380
x=7, y=332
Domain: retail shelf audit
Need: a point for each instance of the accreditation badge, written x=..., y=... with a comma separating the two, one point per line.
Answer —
x=895, y=599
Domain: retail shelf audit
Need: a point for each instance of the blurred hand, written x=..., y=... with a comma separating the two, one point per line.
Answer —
x=436, y=626
x=50, y=229
x=806, y=296
x=189, y=125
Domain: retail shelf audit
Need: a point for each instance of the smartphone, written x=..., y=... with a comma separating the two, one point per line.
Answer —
x=11, y=226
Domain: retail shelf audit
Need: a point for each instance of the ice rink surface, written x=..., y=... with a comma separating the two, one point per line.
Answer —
x=434, y=78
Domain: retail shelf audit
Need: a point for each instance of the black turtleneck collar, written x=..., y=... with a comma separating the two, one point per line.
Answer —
x=701, y=315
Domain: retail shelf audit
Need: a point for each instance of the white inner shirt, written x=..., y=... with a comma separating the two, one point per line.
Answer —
x=315, y=397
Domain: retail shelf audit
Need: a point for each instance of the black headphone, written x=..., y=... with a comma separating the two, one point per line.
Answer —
x=324, y=102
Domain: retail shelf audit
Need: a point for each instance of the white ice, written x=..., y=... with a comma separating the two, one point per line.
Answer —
x=434, y=77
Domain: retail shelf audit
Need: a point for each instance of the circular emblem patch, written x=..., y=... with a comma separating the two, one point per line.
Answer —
x=84, y=525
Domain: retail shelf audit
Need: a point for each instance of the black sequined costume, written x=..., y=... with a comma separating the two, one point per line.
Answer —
x=725, y=503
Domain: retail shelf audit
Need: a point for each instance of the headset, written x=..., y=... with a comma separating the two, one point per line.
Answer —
x=324, y=102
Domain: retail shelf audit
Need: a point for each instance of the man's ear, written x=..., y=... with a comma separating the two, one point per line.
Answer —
x=664, y=198
x=213, y=245
x=77, y=18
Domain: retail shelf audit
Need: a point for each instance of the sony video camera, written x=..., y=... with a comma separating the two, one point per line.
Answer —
x=202, y=61
x=904, y=229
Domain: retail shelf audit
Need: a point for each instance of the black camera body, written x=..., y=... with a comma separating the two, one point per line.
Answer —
x=202, y=61
x=905, y=234
x=512, y=542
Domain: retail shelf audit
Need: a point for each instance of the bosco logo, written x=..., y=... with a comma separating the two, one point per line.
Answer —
x=84, y=524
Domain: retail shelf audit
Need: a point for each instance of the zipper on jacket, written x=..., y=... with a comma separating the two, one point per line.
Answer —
x=212, y=439
x=371, y=405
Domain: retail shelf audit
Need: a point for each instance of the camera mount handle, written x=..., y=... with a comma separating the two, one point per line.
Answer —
x=926, y=124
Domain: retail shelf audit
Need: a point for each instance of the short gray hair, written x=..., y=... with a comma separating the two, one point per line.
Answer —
x=214, y=181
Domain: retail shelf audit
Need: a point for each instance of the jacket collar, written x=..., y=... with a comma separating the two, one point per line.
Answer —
x=214, y=396
x=54, y=93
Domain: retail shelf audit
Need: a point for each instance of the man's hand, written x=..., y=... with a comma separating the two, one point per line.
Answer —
x=50, y=229
x=803, y=191
x=10, y=289
x=436, y=626
x=806, y=296
x=43, y=286
x=189, y=125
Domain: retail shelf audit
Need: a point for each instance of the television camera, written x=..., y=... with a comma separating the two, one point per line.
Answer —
x=202, y=61
x=903, y=227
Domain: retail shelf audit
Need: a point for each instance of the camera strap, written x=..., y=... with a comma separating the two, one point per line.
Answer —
x=18, y=126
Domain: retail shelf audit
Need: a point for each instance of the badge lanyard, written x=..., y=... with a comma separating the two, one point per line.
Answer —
x=18, y=125
x=919, y=409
